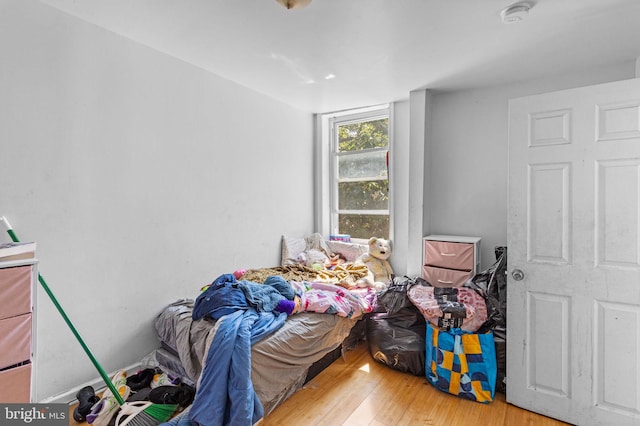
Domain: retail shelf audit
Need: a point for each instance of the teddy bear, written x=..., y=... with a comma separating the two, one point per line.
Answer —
x=375, y=260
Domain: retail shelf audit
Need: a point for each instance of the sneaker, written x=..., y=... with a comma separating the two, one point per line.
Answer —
x=142, y=379
x=181, y=395
x=86, y=399
x=118, y=379
x=163, y=379
x=102, y=412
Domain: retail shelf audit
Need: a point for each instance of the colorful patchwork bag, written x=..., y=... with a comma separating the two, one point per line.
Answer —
x=461, y=363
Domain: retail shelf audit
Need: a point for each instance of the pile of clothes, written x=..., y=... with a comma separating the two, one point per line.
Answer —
x=149, y=384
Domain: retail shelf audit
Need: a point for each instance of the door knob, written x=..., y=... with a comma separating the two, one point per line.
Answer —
x=517, y=275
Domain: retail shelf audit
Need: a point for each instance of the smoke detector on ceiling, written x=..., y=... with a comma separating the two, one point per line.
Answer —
x=516, y=12
x=293, y=4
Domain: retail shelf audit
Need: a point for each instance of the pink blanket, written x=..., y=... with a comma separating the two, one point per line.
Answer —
x=332, y=299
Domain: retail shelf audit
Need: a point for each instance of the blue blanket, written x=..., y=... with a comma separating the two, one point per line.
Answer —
x=225, y=395
x=226, y=295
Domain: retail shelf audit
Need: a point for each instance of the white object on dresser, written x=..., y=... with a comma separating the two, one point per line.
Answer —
x=449, y=260
x=18, y=280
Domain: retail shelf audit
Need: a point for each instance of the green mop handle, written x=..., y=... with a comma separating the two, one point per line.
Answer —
x=93, y=359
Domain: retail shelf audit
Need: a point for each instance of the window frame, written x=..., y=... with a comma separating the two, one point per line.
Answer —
x=327, y=166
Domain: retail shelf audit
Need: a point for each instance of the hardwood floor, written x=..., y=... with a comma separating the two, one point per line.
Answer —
x=359, y=391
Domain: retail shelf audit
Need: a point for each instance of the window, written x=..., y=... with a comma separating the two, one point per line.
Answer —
x=359, y=174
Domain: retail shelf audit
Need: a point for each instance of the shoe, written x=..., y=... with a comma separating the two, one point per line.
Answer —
x=142, y=379
x=163, y=379
x=87, y=398
x=118, y=379
x=141, y=395
x=102, y=412
x=181, y=395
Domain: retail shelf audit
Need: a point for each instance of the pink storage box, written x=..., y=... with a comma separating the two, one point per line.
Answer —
x=441, y=277
x=15, y=385
x=15, y=291
x=15, y=340
x=449, y=255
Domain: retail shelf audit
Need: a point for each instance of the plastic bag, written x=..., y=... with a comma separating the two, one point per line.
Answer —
x=461, y=363
x=394, y=297
x=500, y=339
x=493, y=283
x=398, y=339
x=451, y=307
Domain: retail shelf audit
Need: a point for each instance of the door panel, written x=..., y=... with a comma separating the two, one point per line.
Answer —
x=548, y=224
x=574, y=230
x=617, y=213
x=548, y=333
x=615, y=361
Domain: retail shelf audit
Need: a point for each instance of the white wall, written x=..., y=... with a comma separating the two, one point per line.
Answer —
x=468, y=162
x=141, y=178
x=408, y=177
x=400, y=156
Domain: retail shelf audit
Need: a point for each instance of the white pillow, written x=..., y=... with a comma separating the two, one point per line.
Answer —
x=350, y=251
x=291, y=248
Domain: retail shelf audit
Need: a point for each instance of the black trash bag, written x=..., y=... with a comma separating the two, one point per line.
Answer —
x=398, y=339
x=500, y=339
x=394, y=297
x=499, y=287
x=493, y=284
x=356, y=335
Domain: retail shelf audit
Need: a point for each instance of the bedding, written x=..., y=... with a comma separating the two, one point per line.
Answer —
x=279, y=363
x=294, y=247
x=283, y=350
x=225, y=393
x=344, y=275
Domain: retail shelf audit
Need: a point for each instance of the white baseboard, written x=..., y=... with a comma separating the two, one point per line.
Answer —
x=69, y=397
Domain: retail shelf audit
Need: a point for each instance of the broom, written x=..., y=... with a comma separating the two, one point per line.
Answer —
x=146, y=414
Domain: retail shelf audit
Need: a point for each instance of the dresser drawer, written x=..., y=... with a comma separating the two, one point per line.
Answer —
x=450, y=255
x=15, y=340
x=15, y=291
x=442, y=277
x=15, y=385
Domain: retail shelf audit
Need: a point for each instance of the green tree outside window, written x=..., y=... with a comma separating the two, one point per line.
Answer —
x=363, y=180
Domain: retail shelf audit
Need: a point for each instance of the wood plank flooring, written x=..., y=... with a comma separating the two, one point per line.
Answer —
x=357, y=391
x=360, y=391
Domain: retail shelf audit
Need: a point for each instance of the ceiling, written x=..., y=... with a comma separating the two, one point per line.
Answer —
x=377, y=50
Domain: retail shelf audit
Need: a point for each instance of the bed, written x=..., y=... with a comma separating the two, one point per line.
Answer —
x=305, y=343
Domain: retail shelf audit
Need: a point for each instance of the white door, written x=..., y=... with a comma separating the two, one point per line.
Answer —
x=573, y=326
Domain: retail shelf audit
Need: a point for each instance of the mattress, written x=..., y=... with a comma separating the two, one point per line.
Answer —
x=280, y=362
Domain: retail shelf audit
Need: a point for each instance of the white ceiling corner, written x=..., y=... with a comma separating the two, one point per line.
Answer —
x=378, y=50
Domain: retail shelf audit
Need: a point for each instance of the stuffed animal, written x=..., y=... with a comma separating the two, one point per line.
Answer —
x=375, y=260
